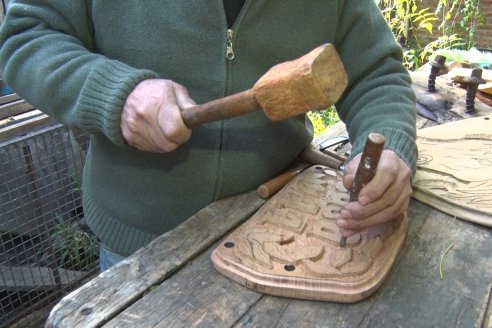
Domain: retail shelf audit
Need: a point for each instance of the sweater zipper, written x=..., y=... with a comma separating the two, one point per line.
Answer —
x=230, y=33
x=229, y=56
x=229, y=48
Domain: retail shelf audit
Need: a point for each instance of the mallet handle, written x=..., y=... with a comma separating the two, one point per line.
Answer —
x=215, y=110
x=367, y=167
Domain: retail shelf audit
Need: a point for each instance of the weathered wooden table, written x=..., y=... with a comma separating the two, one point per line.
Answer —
x=172, y=282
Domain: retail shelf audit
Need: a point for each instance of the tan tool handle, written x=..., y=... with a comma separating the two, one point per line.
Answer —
x=315, y=157
x=215, y=110
x=311, y=156
x=271, y=187
x=335, y=155
x=367, y=167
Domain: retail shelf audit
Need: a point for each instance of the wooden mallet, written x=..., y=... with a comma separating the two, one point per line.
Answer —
x=311, y=82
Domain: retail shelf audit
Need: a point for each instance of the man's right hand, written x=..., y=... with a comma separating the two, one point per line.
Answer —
x=151, y=118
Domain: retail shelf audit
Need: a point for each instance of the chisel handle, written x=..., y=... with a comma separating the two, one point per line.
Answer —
x=272, y=186
x=367, y=167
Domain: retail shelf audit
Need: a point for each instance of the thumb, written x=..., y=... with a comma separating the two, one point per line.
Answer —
x=350, y=170
x=182, y=97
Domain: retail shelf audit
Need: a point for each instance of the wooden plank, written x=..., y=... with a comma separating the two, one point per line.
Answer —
x=27, y=278
x=487, y=321
x=196, y=297
x=19, y=118
x=454, y=172
x=9, y=98
x=487, y=88
x=25, y=127
x=461, y=74
x=413, y=295
x=200, y=296
x=14, y=108
x=114, y=290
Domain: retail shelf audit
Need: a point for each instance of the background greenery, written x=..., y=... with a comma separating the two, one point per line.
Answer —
x=421, y=33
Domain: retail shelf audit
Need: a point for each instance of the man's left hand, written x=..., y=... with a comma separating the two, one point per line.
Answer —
x=383, y=199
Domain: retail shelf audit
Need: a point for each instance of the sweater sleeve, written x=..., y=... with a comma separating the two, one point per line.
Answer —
x=48, y=57
x=379, y=97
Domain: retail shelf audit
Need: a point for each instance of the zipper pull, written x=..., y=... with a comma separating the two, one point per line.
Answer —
x=230, y=51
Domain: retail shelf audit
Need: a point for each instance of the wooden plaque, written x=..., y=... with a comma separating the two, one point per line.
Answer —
x=290, y=247
x=454, y=169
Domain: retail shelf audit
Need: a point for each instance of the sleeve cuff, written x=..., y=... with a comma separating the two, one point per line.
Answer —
x=104, y=95
x=396, y=140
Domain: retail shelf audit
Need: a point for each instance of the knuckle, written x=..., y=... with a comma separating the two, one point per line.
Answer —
x=174, y=134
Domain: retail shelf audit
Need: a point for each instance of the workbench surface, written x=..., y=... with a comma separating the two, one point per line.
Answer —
x=172, y=282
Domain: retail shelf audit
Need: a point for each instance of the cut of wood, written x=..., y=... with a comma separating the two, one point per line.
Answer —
x=9, y=98
x=486, y=87
x=460, y=74
x=290, y=247
x=454, y=169
x=25, y=126
x=13, y=108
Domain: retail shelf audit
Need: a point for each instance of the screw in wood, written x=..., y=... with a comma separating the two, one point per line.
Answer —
x=471, y=90
x=229, y=244
x=436, y=65
x=289, y=267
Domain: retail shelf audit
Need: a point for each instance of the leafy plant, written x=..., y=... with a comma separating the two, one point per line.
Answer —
x=410, y=24
x=468, y=11
x=323, y=119
x=78, y=249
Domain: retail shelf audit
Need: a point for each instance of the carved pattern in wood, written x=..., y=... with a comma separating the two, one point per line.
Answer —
x=454, y=171
x=290, y=247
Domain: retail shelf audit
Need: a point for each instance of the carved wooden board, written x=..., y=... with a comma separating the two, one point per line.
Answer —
x=454, y=171
x=290, y=247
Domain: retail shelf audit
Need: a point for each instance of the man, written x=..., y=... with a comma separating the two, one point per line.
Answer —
x=122, y=70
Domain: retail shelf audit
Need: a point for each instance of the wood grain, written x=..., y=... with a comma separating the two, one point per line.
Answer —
x=455, y=168
x=413, y=295
x=112, y=291
x=290, y=246
x=314, y=81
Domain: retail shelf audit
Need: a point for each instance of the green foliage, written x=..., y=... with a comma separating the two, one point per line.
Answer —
x=409, y=23
x=407, y=20
x=466, y=27
x=78, y=249
x=323, y=119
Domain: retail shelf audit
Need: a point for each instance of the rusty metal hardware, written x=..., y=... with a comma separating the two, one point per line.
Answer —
x=436, y=65
x=471, y=90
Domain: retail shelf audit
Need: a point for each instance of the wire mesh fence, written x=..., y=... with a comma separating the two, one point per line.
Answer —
x=46, y=250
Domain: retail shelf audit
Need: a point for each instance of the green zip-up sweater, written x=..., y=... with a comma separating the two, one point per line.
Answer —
x=79, y=60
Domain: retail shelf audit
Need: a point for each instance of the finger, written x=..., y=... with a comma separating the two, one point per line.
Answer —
x=157, y=143
x=349, y=171
x=386, y=176
x=391, y=198
x=182, y=96
x=171, y=126
x=347, y=233
x=169, y=119
x=132, y=135
x=387, y=214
